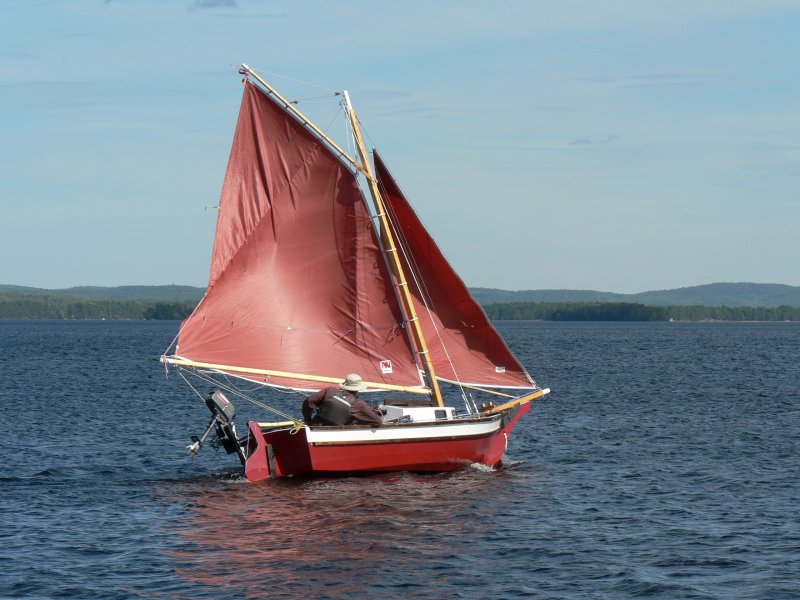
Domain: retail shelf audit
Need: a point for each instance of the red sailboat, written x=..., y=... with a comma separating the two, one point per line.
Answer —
x=309, y=282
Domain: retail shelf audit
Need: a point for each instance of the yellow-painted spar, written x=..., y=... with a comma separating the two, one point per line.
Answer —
x=182, y=362
x=527, y=398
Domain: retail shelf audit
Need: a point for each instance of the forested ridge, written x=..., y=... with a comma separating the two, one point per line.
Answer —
x=712, y=294
x=42, y=306
x=25, y=306
x=627, y=311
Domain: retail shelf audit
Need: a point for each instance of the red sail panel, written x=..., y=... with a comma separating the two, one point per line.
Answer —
x=463, y=344
x=298, y=284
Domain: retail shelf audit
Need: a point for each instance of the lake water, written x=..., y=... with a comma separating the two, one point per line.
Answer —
x=665, y=464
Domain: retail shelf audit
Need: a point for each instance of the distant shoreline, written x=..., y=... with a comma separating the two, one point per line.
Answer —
x=68, y=309
x=771, y=295
x=721, y=302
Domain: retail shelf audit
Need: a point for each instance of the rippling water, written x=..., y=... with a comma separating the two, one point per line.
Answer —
x=664, y=464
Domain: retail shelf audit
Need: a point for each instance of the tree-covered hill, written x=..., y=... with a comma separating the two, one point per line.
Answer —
x=630, y=311
x=576, y=311
x=713, y=294
x=724, y=294
x=125, y=292
x=685, y=304
x=42, y=306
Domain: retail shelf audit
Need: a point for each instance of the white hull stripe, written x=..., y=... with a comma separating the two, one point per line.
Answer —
x=392, y=434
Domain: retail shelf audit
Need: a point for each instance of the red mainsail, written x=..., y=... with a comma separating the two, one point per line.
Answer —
x=298, y=285
x=463, y=344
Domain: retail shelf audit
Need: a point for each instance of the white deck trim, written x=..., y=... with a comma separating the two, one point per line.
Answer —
x=410, y=432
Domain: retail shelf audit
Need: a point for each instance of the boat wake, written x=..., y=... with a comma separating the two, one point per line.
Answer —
x=228, y=476
x=509, y=463
x=481, y=467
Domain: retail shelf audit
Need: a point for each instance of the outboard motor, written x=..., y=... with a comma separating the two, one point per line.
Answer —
x=223, y=413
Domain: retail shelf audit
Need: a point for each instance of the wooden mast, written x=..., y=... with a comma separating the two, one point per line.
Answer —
x=391, y=250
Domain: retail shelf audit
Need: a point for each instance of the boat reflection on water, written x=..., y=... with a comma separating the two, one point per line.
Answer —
x=378, y=533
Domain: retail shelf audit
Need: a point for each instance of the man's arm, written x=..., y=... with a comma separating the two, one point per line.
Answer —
x=311, y=403
x=362, y=413
x=315, y=398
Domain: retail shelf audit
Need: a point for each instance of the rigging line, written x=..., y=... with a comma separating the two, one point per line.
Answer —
x=175, y=339
x=242, y=395
x=314, y=98
x=427, y=300
x=256, y=386
x=336, y=116
x=199, y=395
x=228, y=387
x=300, y=81
x=366, y=134
x=232, y=390
x=349, y=134
x=172, y=343
x=364, y=131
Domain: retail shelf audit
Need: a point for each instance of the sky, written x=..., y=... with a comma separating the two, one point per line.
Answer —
x=619, y=146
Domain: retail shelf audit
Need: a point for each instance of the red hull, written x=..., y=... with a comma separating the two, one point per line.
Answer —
x=278, y=453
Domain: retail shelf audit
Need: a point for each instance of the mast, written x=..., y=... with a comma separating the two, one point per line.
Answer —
x=390, y=248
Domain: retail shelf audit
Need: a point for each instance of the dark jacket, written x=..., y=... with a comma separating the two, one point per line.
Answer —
x=360, y=411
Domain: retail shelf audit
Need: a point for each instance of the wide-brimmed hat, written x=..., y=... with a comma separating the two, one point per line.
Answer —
x=353, y=383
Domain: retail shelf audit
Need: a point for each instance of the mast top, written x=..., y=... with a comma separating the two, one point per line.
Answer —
x=308, y=123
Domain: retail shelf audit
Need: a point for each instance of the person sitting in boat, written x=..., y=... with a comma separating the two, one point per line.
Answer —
x=340, y=405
